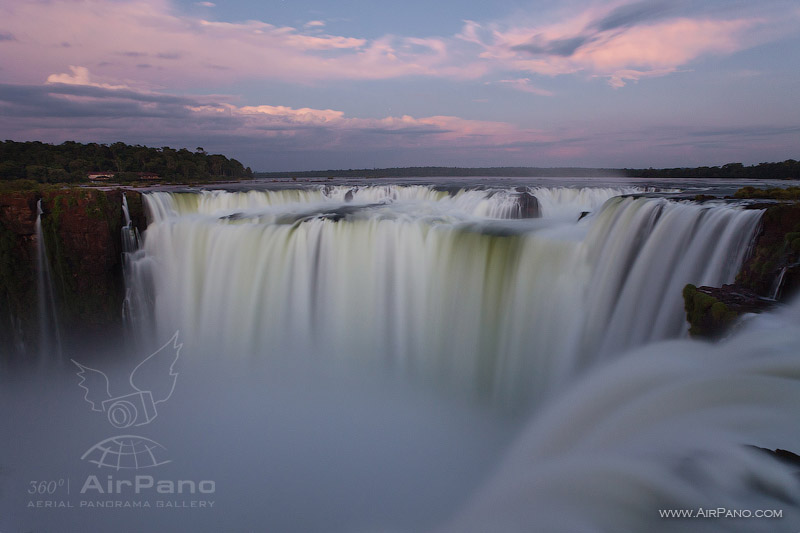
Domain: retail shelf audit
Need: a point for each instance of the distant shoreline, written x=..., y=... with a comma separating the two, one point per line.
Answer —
x=789, y=169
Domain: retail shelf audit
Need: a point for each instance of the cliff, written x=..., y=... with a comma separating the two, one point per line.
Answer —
x=17, y=270
x=81, y=229
x=770, y=275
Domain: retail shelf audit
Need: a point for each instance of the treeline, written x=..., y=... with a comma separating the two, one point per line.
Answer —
x=71, y=162
x=448, y=172
x=789, y=169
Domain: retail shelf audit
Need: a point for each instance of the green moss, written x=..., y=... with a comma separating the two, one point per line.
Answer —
x=721, y=313
x=707, y=316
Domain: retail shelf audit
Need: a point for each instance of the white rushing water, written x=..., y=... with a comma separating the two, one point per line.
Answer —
x=427, y=284
x=669, y=427
x=49, y=330
x=324, y=330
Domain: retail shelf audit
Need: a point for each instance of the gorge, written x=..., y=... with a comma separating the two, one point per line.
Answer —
x=490, y=339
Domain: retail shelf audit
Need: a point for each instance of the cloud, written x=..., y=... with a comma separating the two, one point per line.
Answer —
x=557, y=47
x=621, y=77
x=109, y=37
x=206, y=4
x=630, y=15
x=80, y=76
x=525, y=85
x=281, y=137
x=5, y=36
x=623, y=43
x=298, y=116
x=137, y=113
x=620, y=42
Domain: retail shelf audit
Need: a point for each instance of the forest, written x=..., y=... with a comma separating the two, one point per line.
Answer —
x=70, y=162
x=789, y=169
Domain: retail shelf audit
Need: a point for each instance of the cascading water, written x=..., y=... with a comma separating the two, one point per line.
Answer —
x=425, y=282
x=49, y=334
x=324, y=288
x=130, y=234
x=669, y=428
x=138, y=293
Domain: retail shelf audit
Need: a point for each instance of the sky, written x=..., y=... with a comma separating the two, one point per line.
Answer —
x=311, y=84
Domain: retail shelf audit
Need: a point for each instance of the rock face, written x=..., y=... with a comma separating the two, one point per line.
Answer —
x=82, y=232
x=81, y=229
x=770, y=274
x=527, y=204
x=17, y=270
x=776, y=250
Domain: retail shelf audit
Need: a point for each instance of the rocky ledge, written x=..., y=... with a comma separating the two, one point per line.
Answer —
x=711, y=310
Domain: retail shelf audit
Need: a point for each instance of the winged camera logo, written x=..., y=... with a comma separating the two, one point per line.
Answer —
x=152, y=382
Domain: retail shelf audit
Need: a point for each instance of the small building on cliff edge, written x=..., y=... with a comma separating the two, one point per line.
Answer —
x=109, y=174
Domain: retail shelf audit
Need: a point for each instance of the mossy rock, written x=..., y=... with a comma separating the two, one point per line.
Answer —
x=711, y=311
x=707, y=316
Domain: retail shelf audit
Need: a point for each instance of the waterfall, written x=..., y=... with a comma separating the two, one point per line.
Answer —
x=669, y=426
x=325, y=330
x=49, y=334
x=137, y=303
x=434, y=284
x=130, y=234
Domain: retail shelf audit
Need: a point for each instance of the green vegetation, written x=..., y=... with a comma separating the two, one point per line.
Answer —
x=789, y=169
x=707, y=316
x=70, y=162
x=775, y=193
x=19, y=185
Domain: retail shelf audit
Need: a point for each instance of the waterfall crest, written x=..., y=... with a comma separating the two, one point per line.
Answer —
x=430, y=283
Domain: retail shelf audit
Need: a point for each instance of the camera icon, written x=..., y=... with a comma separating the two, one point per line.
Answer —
x=135, y=409
x=153, y=379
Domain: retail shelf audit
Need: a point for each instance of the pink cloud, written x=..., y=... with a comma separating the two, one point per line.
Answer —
x=114, y=38
x=620, y=53
x=437, y=129
x=80, y=76
x=303, y=115
x=663, y=47
x=167, y=48
x=525, y=85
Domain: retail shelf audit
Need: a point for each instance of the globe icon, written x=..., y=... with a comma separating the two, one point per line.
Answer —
x=126, y=452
